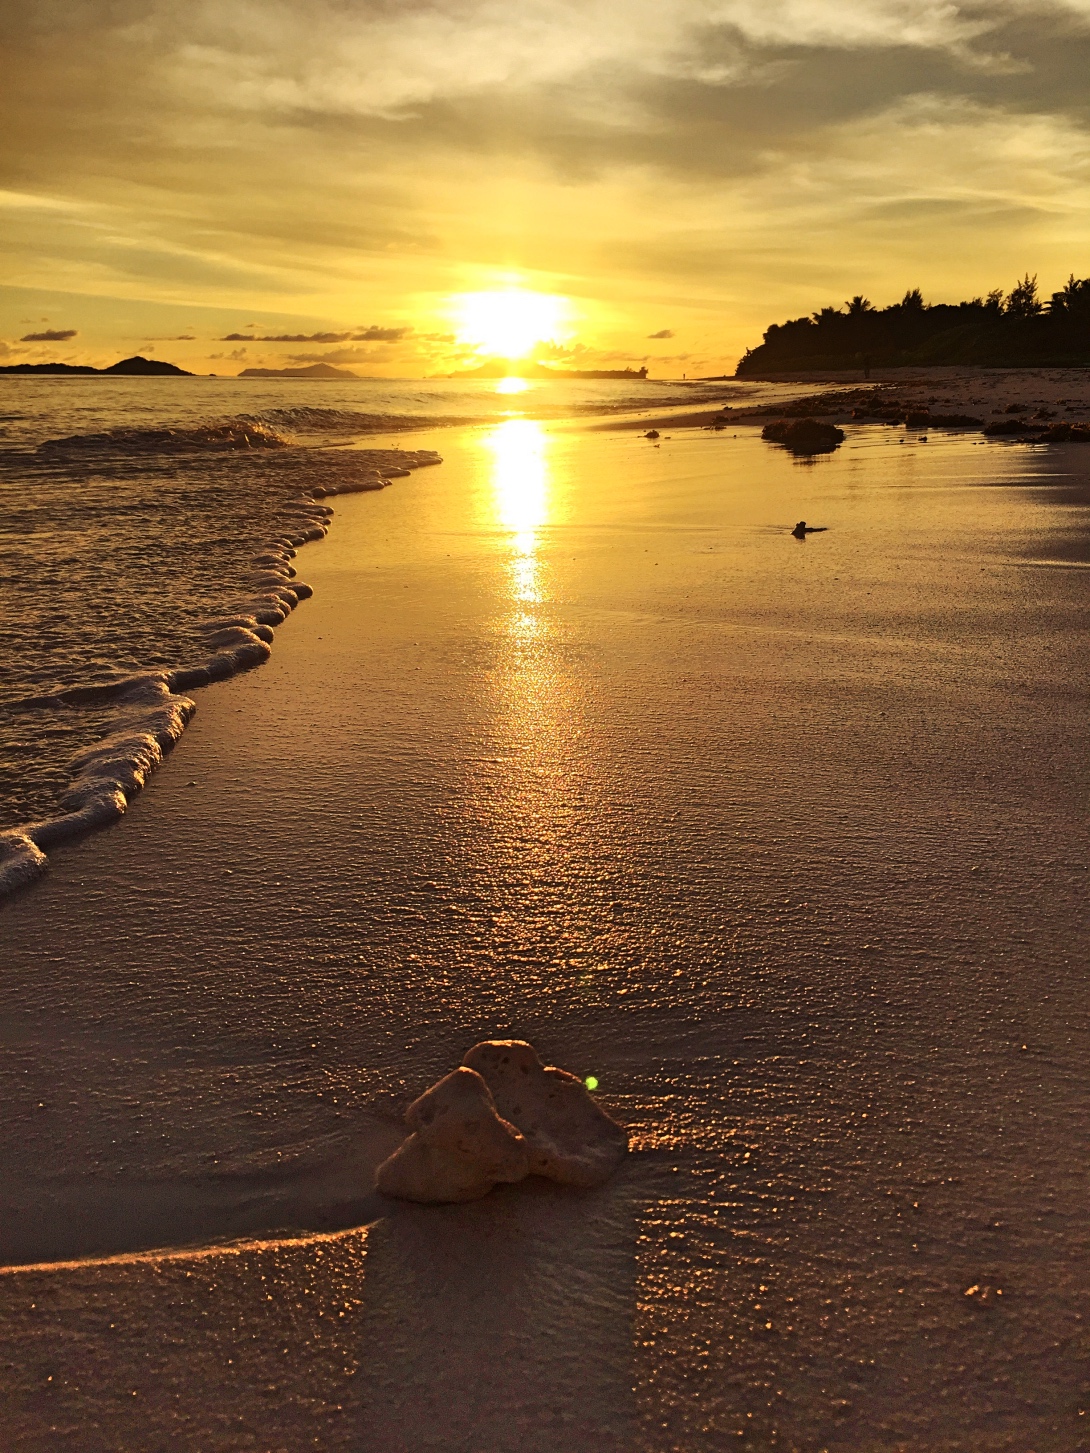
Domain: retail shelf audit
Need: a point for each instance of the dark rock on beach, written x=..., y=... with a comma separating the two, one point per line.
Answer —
x=1031, y=433
x=925, y=419
x=804, y=436
x=1066, y=433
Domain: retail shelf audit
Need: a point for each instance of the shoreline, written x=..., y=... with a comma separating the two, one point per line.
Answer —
x=989, y=394
x=146, y=711
x=152, y=710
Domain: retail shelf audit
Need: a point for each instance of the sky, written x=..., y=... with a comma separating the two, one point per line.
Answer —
x=234, y=183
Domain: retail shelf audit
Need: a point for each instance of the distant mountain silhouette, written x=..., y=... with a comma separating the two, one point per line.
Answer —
x=1013, y=330
x=595, y=373
x=48, y=368
x=315, y=370
x=152, y=367
x=136, y=366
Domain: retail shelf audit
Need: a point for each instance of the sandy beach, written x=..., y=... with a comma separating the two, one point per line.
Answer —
x=986, y=394
x=783, y=841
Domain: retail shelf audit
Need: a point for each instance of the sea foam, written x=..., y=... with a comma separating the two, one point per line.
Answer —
x=304, y=419
x=167, y=501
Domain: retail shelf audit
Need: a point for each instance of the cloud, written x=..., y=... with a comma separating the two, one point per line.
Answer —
x=381, y=335
x=375, y=58
x=561, y=351
x=364, y=335
x=342, y=355
x=283, y=337
x=726, y=162
x=49, y=335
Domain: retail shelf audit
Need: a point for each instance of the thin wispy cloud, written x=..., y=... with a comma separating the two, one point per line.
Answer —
x=362, y=335
x=374, y=59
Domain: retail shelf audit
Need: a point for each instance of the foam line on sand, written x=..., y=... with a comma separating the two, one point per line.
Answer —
x=152, y=709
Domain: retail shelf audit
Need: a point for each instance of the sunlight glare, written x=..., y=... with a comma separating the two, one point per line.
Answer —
x=512, y=386
x=508, y=323
x=520, y=481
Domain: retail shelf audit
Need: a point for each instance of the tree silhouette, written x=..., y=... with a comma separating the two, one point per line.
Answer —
x=999, y=330
x=1022, y=300
x=1073, y=298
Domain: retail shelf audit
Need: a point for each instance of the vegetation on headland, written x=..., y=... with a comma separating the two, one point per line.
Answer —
x=1003, y=330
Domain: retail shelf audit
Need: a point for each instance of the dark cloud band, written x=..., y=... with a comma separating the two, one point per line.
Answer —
x=364, y=335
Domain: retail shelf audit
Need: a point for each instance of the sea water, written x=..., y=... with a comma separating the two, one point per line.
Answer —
x=147, y=532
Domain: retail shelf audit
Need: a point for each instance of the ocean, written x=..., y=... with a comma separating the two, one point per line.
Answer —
x=148, y=529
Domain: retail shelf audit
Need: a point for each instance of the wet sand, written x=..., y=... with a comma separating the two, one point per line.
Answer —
x=785, y=841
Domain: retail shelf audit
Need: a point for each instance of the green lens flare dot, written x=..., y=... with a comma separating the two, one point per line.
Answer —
x=591, y=1082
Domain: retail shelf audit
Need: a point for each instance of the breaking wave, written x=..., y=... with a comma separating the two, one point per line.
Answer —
x=305, y=419
x=240, y=433
x=277, y=428
x=146, y=563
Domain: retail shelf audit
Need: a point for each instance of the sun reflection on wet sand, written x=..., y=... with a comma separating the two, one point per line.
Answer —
x=520, y=483
x=540, y=798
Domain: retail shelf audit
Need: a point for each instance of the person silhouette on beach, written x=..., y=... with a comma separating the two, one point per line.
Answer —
x=802, y=529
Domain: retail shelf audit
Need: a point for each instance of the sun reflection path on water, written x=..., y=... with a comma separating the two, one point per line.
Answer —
x=540, y=790
x=534, y=798
x=520, y=482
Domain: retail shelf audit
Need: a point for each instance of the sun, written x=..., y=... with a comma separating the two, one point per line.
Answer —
x=508, y=322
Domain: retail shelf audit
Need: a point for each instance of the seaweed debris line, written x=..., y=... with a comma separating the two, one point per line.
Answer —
x=135, y=719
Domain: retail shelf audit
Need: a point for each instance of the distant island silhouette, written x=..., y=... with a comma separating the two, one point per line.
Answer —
x=314, y=370
x=1003, y=330
x=136, y=366
x=505, y=368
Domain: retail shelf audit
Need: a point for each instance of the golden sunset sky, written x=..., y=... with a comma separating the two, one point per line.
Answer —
x=176, y=173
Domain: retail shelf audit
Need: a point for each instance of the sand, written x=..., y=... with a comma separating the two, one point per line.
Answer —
x=783, y=841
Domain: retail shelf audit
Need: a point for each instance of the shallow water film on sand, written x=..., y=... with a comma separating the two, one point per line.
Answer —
x=781, y=842
x=146, y=529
